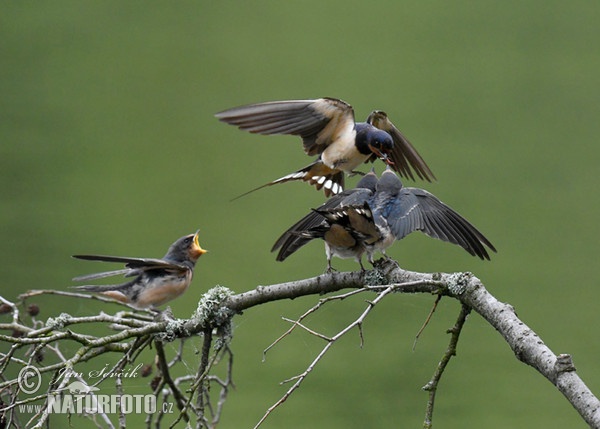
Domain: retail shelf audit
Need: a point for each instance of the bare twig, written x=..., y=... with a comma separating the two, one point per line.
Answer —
x=298, y=379
x=432, y=385
x=427, y=320
x=163, y=366
x=119, y=388
x=201, y=375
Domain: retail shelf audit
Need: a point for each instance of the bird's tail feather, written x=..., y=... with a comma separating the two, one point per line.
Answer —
x=101, y=288
x=316, y=174
x=104, y=274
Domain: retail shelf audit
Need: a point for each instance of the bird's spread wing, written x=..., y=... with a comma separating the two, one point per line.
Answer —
x=143, y=264
x=404, y=155
x=418, y=210
x=318, y=122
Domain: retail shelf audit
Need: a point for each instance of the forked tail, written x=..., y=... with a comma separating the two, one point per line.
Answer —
x=316, y=174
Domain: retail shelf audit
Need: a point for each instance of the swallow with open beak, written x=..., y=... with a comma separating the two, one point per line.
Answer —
x=328, y=129
x=374, y=222
x=156, y=281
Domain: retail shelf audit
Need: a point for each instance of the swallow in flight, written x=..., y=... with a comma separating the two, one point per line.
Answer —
x=328, y=129
x=156, y=281
x=373, y=222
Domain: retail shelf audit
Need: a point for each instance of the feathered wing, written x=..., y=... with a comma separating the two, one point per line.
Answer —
x=134, y=266
x=418, y=210
x=134, y=263
x=317, y=121
x=404, y=155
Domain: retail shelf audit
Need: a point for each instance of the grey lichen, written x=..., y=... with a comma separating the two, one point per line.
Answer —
x=457, y=282
x=211, y=311
x=174, y=329
x=375, y=277
x=58, y=322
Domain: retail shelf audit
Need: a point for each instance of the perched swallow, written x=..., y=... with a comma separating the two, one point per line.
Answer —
x=348, y=231
x=328, y=129
x=375, y=223
x=156, y=281
x=314, y=225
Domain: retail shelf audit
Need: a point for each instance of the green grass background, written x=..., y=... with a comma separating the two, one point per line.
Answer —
x=108, y=144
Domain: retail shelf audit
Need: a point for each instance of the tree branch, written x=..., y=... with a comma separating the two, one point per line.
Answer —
x=525, y=343
x=136, y=330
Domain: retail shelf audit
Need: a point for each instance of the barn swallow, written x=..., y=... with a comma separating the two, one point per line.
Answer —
x=387, y=215
x=156, y=281
x=311, y=226
x=348, y=231
x=328, y=129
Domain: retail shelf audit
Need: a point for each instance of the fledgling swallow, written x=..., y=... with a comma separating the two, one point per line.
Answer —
x=310, y=226
x=389, y=214
x=156, y=281
x=328, y=129
x=348, y=231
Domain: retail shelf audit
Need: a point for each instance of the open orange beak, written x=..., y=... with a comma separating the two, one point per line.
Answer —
x=197, y=250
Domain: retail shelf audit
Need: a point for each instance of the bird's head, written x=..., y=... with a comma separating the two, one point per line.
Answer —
x=389, y=182
x=381, y=144
x=368, y=181
x=186, y=248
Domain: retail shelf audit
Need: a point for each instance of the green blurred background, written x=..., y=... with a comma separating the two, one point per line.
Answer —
x=108, y=144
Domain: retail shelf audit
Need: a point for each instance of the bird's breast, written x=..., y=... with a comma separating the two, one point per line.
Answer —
x=164, y=288
x=342, y=153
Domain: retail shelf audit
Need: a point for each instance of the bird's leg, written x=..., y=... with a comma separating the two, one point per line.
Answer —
x=329, y=254
x=355, y=172
x=329, y=269
x=370, y=258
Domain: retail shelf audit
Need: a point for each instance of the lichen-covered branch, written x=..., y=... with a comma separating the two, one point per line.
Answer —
x=130, y=332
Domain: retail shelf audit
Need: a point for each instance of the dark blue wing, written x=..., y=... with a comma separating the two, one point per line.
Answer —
x=418, y=210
